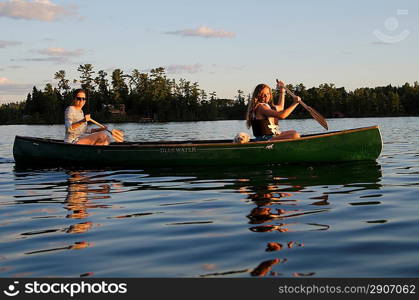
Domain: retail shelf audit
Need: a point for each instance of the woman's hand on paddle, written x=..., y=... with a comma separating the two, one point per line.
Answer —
x=87, y=118
x=280, y=84
x=297, y=99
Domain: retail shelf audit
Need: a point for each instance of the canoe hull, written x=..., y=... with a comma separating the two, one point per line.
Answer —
x=348, y=145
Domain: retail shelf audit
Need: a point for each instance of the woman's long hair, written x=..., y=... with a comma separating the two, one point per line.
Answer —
x=255, y=101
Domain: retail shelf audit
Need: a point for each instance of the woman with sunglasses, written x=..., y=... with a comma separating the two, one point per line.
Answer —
x=76, y=131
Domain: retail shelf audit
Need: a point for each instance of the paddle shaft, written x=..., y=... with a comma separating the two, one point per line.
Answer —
x=318, y=117
x=116, y=134
x=100, y=125
x=293, y=95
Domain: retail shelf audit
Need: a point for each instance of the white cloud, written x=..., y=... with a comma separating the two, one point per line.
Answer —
x=176, y=69
x=11, y=88
x=227, y=68
x=4, y=44
x=56, y=59
x=41, y=10
x=205, y=32
x=56, y=55
x=4, y=80
x=60, y=52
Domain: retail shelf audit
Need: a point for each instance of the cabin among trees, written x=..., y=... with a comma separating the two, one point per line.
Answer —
x=118, y=110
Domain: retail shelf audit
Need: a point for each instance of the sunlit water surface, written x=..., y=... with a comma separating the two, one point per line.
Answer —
x=337, y=220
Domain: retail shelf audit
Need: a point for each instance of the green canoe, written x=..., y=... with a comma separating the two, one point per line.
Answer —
x=346, y=145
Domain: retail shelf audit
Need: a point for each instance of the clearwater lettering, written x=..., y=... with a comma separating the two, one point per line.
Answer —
x=178, y=149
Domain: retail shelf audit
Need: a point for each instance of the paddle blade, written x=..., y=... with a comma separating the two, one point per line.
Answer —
x=118, y=132
x=118, y=139
x=318, y=117
x=118, y=135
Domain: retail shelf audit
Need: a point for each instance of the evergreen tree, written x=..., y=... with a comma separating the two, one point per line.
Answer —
x=86, y=77
x=63, y=83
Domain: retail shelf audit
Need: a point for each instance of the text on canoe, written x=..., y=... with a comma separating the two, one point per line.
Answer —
x=178, y=149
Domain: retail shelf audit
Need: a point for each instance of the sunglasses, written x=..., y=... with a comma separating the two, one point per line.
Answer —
x=81, y=98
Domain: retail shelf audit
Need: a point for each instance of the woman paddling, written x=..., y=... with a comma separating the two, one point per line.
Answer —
x=262, y=115
x=76, y=131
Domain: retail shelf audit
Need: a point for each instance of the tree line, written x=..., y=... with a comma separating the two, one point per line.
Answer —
x=152, y=96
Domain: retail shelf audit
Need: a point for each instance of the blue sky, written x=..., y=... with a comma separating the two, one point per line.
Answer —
x=222, y=45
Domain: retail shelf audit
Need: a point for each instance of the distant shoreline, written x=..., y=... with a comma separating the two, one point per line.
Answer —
x=192, y=121
x=153, y=97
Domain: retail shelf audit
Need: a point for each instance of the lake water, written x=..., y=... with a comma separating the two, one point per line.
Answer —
x=336, y=220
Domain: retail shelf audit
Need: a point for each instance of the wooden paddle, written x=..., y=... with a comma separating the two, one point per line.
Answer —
x=118, y=135
x=317, y=116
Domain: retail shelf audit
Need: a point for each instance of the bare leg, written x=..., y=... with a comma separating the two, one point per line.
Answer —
x=290, y=134
x=97, y=138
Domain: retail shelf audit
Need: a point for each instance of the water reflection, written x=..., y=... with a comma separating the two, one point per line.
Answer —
x=280, y=203
x=83, y=191
x=266, y=266
x=80, y=191
x=75, y=246
x=277, y=211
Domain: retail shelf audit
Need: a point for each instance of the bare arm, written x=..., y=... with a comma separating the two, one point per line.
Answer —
x=281, y=94
x=79, y=123
x=268, y=112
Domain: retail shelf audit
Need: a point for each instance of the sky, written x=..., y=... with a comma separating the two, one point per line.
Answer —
x=223, y=45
